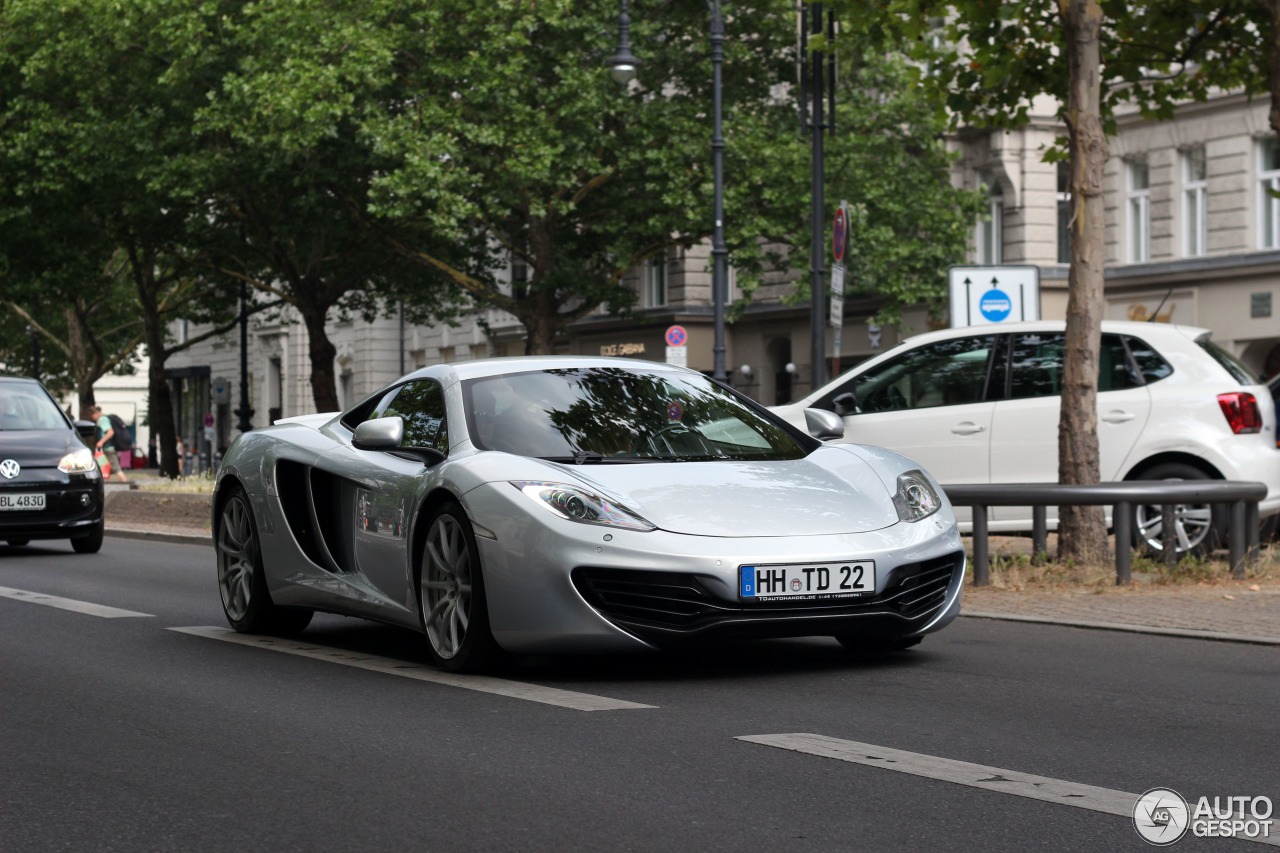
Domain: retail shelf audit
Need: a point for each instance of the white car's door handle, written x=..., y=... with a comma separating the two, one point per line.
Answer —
x=967, y=428
x=1118, y=417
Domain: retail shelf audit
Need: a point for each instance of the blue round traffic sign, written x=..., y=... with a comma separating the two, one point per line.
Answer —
x=676, y=336
x=995, y=305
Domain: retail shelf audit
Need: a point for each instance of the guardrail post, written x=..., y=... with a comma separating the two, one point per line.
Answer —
x=1039, y=533
x=1168, y=535
x=1236, y=538
x=1122, y=520
x=981, y=560
x=1251, y=528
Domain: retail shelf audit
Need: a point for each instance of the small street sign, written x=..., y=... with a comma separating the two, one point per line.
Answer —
x=982, y=296
x=840, y=233
x=677, y=336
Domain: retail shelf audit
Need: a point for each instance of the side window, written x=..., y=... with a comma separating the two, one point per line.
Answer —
x=1036, y=365
x=1150, y=365
x=1115, y=371
x=421, y=404
x=946, y=373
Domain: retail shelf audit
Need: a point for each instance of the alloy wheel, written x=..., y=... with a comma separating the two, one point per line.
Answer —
x=1192, y=524
x=446, y=586
x=237, y=552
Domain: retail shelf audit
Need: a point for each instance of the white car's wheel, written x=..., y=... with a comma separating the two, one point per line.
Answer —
x=455, y=615
x=241, y=580
x=1198, y=528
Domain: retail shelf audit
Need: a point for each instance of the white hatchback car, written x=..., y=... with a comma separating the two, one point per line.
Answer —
x=981, y=405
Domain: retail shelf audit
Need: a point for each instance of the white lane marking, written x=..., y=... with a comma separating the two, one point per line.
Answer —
x=68, y=604
x=390, y=666
x=980, y=776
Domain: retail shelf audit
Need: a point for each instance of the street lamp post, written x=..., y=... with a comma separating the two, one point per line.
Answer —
x=244, y=412
x=623, y=67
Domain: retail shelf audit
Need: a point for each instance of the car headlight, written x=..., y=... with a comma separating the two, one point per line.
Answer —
x=576, y=504
x=916, y=497
x=78, y=462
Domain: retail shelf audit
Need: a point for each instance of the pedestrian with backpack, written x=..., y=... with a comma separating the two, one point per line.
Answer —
x=110, y=439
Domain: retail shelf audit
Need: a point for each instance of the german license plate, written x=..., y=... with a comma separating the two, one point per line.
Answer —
x=27, y=501
x=807, y=581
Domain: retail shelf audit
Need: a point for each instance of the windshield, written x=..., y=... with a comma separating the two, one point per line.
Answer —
x=614, y=414
x=25, y=406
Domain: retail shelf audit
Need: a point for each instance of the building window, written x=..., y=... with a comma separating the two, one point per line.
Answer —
x=1194, y=176
x=1269, y=186
x=1139, y=211
x=1064, y=213
x=447, y=355
x=990, y=233
x=655, y=281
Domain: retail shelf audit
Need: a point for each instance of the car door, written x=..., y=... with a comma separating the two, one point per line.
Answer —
x=387, y=488
x=930, y=404
x=1024, y=432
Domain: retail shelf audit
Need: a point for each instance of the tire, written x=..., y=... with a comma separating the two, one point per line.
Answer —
x=1200, y=527
x=451, y=599
x=866, y=646
x=242, y=582
x=90, y=543
x=17, y=543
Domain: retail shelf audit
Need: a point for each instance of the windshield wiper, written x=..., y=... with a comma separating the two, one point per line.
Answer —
x=592, y=457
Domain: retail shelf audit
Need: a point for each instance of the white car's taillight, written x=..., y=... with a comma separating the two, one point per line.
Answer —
x=1241, y=411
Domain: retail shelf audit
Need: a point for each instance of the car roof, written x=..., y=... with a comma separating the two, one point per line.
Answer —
x=481, y=368
x=1120, y=327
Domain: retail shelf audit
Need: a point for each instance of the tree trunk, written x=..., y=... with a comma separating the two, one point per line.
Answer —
x=322, y=352
x=159, y=402
x=540, y=324
x=1271, y=8
x=79, y=359
x=1082, y=532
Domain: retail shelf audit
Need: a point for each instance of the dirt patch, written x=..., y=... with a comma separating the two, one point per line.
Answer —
x=142, y=508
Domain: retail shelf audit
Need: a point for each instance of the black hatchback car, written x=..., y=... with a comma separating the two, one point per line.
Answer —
x=50, y=486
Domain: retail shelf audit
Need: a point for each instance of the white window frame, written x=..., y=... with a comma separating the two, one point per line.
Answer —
x=1195, y=231
x=656, y=282
x=989, y=233
x=1139, y=208
x=1268, y=206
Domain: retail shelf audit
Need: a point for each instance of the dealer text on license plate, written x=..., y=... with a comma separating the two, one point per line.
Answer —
x=26, y=501
x=814, y=581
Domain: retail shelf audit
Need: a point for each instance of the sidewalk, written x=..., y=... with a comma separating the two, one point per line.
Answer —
x=1227, y=611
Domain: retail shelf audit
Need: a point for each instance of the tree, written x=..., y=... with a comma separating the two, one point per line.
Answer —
x=994, y=58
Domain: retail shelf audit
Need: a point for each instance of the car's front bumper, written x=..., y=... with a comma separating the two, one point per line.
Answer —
x=73, y=505
x=558, y=586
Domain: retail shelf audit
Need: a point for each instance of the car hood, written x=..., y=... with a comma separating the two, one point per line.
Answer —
x=830, y=491
x=37, y=448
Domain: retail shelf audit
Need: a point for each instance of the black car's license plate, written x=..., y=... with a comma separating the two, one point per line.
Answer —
x=22, y=501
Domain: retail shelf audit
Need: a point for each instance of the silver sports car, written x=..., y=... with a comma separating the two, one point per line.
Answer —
x=567, y=504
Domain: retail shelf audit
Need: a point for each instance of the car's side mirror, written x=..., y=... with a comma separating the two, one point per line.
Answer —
x=378, y=434
x=846, y=404
x=87, y=430
x=823, y=425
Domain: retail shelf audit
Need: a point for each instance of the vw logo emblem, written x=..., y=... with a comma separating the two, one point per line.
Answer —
x=10, y=468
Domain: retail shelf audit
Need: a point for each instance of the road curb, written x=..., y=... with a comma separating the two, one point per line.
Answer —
x=158, y=536
x=1190, y=633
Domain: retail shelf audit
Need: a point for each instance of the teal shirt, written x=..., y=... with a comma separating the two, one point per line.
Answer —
x=104, y=427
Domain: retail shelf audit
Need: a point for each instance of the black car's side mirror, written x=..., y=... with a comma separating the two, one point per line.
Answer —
x=846, y=404
x=87, y=430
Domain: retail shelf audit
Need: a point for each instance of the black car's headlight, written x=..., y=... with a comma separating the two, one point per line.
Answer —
x=78, y=462
x=576, y=504
x=916, y=498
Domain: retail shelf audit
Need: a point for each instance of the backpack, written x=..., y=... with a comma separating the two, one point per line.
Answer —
x=121, y=440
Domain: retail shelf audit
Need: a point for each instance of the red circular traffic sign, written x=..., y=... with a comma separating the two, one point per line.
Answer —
x=839, y=234
x=677, y=336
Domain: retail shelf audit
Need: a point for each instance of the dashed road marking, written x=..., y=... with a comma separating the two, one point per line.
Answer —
x=391, y=666
x=1042, y=788
x=68, y=604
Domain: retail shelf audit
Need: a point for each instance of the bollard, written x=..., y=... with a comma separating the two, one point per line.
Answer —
x=1237, y=536
x=981, y=562
x=1253, y=548
x=1039, y=532
x=1122, y=520
x=1168, y=535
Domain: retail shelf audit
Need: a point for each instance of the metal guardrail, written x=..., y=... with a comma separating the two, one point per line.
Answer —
x=1242, y=528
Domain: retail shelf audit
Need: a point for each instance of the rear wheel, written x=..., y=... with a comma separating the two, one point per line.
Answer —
x=455, y=614
x=90, y=543
x=1198, y=528
x=241, y=577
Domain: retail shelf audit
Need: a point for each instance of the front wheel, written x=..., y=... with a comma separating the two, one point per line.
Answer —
x=241, y=578
x=455, y=615
x=91, y=542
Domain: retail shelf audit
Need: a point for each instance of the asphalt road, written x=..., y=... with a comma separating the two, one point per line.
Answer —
x=121, y=734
